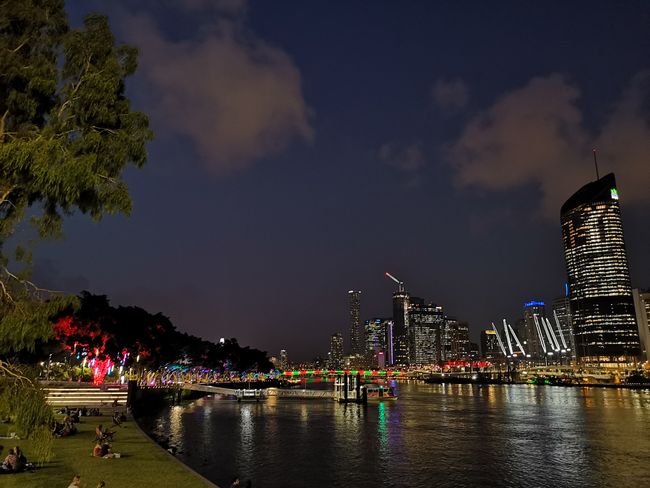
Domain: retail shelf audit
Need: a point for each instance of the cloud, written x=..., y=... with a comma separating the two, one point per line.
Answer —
x=226, y=6
x=450, y=94
x=407, y=158
x=236, y=97
x=535, y=136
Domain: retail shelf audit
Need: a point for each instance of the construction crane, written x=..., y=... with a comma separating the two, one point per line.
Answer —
x=400, y=284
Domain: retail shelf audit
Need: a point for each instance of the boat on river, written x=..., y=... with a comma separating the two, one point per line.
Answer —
x=380, y=393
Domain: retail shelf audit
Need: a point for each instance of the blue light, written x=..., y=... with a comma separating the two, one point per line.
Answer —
x=533, y=304
x=566, y=289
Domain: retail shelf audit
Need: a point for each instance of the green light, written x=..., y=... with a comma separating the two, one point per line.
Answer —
x=614, y=193
x=295, y=373
x=339, y=371
x=310, y=371
x=382, y=372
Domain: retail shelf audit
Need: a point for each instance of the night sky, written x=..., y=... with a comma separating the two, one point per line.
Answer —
x=303, y=148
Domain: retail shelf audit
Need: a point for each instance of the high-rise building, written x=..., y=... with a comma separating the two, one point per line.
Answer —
x=642, y=308
x=375, y=334
x=534, y=313
x=357, y=340
x=454, y=340
x=600, y=293
x=490, y=349
x=425, y=321
x=562, y=312
x=336, y=351
x=389, y=356
x=401, y=300
x=284, y=359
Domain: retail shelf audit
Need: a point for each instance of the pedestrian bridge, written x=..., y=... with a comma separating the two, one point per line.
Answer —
x=258, y=394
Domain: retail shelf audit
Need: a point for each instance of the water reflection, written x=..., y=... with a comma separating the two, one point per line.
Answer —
x=448, y=435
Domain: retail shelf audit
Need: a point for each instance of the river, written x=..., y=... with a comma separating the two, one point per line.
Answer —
x=433, y=435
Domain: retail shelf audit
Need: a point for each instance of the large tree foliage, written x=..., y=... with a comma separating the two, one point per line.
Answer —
x=103, y=330
x=66, y=134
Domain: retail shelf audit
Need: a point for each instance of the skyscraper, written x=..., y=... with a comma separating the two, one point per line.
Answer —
x=401, y=300
x=533, y=333
x=600, y=294
x=562, y=312
x=336, y=351
x=284, y=359
x=490, y=349
x=357, y=339
x=642, y=307
x=425, y=322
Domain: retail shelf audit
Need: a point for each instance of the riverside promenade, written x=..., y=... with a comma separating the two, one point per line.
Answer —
x=143, y=463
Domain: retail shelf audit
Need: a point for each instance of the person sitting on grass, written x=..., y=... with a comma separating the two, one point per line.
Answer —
x=76, y=482
x=103, y=450
x=21, y=460
x=11, y=461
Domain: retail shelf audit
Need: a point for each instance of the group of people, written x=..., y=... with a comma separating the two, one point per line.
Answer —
x=102, y=447
x=15, y=462
x=65, y=428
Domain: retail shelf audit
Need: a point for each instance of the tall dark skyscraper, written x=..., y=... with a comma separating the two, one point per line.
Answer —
x=357, y=335
x=401, y=301
x=533, y=333
x=600, y=294
x=426, y=321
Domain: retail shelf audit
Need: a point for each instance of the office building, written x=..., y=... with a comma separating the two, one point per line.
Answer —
x=599, y=290
x=534, y=341
x=425, y=321
x=490, y=349
x=562, y=312
x=357, y=340
x=335, y=356
x=284, y=359
x=401, y=300
x=642, y=309
x=454, y=340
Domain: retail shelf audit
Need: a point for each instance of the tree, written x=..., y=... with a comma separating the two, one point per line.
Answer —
x=67, y=132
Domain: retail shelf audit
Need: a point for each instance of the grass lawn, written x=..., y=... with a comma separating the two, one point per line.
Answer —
x=142, y=464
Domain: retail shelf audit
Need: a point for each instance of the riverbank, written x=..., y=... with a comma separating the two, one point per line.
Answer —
x=142, y=462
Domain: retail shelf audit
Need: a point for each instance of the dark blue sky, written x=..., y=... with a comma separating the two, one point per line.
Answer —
x=304, y=148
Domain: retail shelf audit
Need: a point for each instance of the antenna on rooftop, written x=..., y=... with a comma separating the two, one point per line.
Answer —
x=596, y=164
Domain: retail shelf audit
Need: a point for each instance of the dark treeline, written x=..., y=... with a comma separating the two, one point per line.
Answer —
x=101, y=329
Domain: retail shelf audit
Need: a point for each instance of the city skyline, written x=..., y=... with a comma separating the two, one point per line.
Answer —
x=381, y=160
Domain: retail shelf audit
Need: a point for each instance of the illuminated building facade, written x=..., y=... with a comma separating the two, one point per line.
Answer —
x=454, y=340
x=490, y=345
x=531, y=331
x=284, y=359
x=357, y=340
x=425, y=323
x=562, y=312
x=599, y=290
x=401, y=300
x=335, y=356
x=642, y=308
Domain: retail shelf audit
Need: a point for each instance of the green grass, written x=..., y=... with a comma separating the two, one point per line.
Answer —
x=142, y=464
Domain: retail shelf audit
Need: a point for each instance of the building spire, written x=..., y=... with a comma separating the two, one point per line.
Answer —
x=596, y=164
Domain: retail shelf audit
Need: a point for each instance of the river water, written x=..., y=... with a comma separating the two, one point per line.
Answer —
x=432, y=436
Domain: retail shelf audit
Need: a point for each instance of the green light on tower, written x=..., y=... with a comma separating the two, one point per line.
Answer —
x=614, y=193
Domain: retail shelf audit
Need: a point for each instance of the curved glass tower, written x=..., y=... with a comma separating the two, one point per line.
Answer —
x=600, y=294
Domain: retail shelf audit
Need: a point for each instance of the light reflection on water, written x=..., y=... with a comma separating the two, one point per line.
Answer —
x=442, y=435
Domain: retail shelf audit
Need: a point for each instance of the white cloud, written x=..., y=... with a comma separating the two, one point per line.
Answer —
x=235, y=96
x=535, y=135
